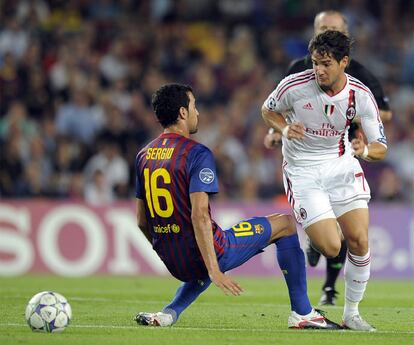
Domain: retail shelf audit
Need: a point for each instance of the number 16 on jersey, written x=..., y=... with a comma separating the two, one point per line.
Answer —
x=154, y=193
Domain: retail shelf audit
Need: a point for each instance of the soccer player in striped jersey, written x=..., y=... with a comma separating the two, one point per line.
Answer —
x=324, y=181
x=334, y=20
x=175, y=176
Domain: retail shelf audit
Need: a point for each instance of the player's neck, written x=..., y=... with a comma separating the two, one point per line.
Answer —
x=337, y=87
x=178, y=129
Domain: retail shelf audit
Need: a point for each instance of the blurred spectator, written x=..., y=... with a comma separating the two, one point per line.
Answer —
x=11, y=168
x=389, y=188
x=109, y=161
x=97, y=191
x=13, y=39
x=16, y=122
x=113, y=65
x=28, y=8
x=79, y=119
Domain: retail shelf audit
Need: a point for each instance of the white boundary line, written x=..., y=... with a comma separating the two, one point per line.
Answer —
x=138, y=302
x=256, y=330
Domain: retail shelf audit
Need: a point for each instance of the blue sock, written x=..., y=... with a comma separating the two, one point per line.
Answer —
x=185, y=295
x=292, y=263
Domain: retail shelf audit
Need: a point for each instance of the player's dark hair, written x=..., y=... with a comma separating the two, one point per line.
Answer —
x=331, y=43
x=168, y=100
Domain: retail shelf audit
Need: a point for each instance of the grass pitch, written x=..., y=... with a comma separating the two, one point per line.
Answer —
x=103, y=308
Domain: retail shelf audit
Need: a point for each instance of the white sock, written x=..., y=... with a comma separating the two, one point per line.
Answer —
x=357, y=270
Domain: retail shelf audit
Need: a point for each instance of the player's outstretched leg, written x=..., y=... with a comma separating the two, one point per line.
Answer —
x=185, y=295
x=357, y=272
x=292, y=263
x=333, y=267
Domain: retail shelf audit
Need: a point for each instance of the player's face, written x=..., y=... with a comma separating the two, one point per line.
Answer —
x=192, y=115
x=327, y=70
x=327, y=22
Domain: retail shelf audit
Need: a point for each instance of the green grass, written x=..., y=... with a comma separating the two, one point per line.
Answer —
x=104, y=306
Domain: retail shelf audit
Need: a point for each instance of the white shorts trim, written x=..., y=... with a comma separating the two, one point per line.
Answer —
x=326, y=215
x=341, y=209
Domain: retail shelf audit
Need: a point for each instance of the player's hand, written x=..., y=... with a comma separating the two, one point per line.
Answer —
x=272, y=140
x=296, y=131
x=226, y=284
x=358, y=145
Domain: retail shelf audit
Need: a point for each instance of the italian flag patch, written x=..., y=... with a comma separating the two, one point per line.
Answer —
x=329, y=109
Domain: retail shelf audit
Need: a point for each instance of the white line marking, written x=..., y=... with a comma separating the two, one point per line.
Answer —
x=178, y=328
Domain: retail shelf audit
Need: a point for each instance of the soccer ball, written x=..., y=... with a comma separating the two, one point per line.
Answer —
x=48, y=312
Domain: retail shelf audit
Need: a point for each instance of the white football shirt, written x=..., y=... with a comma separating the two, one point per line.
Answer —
x=326, y=118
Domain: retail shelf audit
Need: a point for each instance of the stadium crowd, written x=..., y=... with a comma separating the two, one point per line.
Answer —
x=76, y=79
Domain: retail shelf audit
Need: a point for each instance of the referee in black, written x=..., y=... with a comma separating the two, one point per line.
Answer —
x=334, y=20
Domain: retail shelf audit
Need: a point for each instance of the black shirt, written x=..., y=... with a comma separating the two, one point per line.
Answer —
x=354, y=69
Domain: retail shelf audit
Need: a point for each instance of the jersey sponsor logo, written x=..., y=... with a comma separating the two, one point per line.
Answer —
x=206, y=175
x=308, y=106
x=259, y=229
x=166, y=229
x=323, y=132
x=303, y=213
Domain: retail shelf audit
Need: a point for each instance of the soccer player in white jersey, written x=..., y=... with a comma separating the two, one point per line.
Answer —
x=324, y=181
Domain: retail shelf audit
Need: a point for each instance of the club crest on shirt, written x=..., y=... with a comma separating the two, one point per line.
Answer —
x=206, y=175
x=303, y=213
x=350, y=113
x=259, y=229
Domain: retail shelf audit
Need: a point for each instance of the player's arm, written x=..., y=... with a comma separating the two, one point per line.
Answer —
x=273, y=138
x=278, y=103
x=277, y=121
x=200, y=218
x=142, y=220
x=376, y=149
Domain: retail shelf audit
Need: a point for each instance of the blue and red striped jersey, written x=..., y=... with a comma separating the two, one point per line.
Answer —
x=168, y=169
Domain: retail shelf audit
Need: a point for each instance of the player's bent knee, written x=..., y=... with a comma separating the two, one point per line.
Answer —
x=330, y=250
x=291, y=225
x=358, y=245
x=332, y=253
x=282, y=225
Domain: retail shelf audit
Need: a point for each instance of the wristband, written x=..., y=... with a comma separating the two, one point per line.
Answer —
x=271, y=131
x=365, y=153
x=285, y=131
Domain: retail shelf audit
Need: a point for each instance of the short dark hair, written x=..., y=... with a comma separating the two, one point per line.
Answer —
x=332, y=43
x=168, y=100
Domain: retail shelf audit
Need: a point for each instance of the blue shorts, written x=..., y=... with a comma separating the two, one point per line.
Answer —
x=244, y=240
